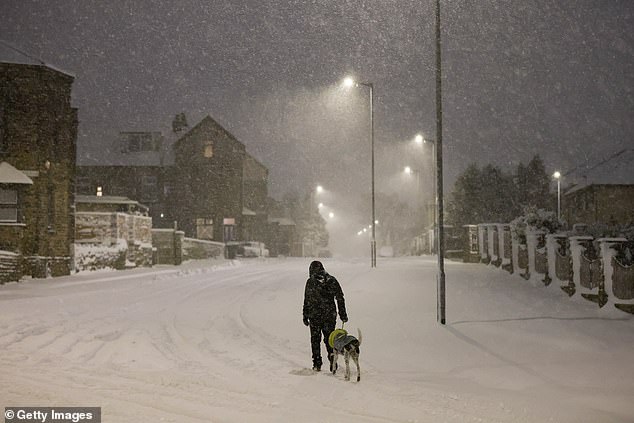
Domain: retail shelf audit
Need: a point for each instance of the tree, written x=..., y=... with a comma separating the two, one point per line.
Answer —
x=488, y=195
x=533, y=185
x=482, y=195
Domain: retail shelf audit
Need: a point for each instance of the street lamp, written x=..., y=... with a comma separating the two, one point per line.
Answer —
x=557, y=175
x=349, y=83
x=440, y=309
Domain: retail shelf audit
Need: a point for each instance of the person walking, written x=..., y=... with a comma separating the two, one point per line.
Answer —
x=320, y=312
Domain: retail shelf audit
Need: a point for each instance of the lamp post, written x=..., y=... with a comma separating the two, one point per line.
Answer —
x=440, y=316
x=557, y=175
x=349, y=82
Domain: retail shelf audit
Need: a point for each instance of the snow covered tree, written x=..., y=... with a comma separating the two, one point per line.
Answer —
x=482, y=195
x=533, y=185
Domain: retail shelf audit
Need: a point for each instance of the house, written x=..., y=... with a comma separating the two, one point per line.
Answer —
x=200, y=179
x=601, y=192
x=208, y=172
x=138, y=169
x=38, y=138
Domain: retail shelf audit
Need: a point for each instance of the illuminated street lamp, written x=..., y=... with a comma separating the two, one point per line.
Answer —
x=319, y=189
x=557, y=175
x=349, y=83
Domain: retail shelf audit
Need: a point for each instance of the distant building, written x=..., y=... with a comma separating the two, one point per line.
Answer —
x=601, y=192
x=38, y=136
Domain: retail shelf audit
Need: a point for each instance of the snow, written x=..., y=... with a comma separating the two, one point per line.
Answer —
x=223, y=341
x=10, y=175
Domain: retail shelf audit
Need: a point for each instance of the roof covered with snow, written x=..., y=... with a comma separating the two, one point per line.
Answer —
x=617, y=169
x=11, y=175
x=105, y=199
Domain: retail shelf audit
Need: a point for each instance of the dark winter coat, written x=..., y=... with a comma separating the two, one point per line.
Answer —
x=322, y=290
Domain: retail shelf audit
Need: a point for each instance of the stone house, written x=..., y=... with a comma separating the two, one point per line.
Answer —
x=200, y=180
x=602, y=192
x=38, y=137
x=208, y=179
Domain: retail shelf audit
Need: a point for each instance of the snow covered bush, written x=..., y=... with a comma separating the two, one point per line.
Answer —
x=536, y=219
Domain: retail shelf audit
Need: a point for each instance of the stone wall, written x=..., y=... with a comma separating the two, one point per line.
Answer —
x=9, y=266
x=194, y=249
x=115, y=240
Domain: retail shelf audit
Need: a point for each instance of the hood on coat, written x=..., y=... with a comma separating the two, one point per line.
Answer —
x=316, y=268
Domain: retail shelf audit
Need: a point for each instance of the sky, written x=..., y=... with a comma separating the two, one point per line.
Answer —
x=519, y=78
x=223, y=341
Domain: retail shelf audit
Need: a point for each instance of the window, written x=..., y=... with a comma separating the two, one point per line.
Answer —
x=4, y=143
x=82, y=185
x=134, y=142
x=204, y=228
x=168, y=189
x=149, y=188
x=473, y=242
x=8, y=205
x=208, y=151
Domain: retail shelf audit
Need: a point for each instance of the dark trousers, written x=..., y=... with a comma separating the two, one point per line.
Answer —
x=316, y=331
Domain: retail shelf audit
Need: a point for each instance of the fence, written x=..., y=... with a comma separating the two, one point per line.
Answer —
x=600, y=270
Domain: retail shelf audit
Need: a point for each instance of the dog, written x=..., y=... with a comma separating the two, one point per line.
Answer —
x=348, y=346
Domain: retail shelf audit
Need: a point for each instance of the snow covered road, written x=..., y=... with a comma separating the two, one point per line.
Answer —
x=225, y=343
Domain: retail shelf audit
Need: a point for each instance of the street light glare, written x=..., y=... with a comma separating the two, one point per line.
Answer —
x=557, y=175
x=419, y=139
x=408, y=170
x=331, y=215
x=320, y=189
x=348, y=82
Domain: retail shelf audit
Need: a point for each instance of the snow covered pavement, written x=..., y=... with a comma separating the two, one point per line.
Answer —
x=225, y=343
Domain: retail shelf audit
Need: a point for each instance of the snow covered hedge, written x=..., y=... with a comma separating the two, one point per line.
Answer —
x=535, y=219
x=99, y=256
